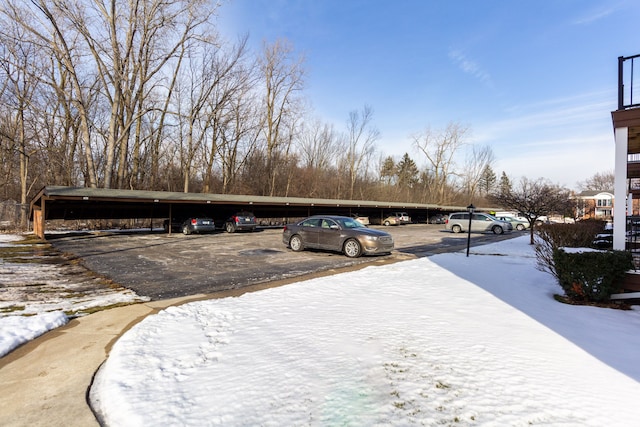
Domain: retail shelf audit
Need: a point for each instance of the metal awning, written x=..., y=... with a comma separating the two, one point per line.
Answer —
x=75, y=203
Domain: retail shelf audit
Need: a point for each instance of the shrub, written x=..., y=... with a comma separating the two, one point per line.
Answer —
x=591, y=276
x=578, y=235
x=554, y=236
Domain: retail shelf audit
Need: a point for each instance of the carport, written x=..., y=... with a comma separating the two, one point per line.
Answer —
x=80, y=203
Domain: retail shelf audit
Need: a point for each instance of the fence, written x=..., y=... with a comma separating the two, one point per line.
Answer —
x=14, y=216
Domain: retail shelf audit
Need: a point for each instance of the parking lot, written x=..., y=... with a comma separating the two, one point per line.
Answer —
x=161, y=265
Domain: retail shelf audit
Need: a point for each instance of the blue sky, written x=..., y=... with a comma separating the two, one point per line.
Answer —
x=536, y=81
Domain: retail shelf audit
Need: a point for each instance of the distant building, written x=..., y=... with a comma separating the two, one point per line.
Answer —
x=595, y=204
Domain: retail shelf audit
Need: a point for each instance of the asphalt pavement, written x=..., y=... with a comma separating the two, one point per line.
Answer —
x=160, y=265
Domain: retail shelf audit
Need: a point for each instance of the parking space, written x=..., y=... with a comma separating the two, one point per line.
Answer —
x=160, y=266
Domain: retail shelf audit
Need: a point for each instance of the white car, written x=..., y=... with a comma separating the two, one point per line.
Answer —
x=517, y=223
x=364, y=220
x=404, y=217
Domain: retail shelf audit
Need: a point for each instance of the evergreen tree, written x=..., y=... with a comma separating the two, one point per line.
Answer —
x=488, y=180
x=388, y=170
x=505, y=184
x=407, y=172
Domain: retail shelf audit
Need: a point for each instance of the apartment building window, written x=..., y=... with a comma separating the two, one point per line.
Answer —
x=604, y=203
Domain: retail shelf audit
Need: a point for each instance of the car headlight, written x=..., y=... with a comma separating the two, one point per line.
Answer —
x=372, y=238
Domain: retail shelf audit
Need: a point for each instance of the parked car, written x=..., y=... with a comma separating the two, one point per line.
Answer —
x=241, y=221
x=362, y=219
x=336, y=233
x=518, y=224
x=198, y=225
x=404, y=217
x=437, y=219
x=391, y=220
x=480, y=222
x=176, y=224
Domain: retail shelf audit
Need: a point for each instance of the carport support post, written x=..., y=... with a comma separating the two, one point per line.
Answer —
x=470, y=209
x=38, y=222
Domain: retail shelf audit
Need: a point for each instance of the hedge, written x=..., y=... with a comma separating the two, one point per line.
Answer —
x=592, y=275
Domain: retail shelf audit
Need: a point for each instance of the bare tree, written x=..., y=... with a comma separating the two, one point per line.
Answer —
x=19, y=94
x=318, y=150
x=601, y=181
x=318, y=145
x=229, y=79
x=240, y=136
x=119, y=46
x=534, y=199
x=208, y=89
x=46, y=32
x=477, y=162
x=440, y=149
x=360, y=145
x=282, y=74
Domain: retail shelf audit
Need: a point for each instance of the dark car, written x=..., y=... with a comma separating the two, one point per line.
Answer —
x=336, y=233
x=198, y=225
x=176, y=224
x=241, y=221
x=438, y=219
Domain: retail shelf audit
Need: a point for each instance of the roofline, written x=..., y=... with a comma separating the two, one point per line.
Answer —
x=105, y=194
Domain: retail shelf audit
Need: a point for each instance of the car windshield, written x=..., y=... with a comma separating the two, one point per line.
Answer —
x=350, y=223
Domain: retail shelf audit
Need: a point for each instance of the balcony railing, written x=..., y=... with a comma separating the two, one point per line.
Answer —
x=626, y=79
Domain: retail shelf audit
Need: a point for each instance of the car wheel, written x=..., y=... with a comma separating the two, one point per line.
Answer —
x=186, y=230
x=456, y=228
x=387, y=223
x=352, y=248
x=230, y=227
x=520, y=227
x=295, y=243
x=497, y=229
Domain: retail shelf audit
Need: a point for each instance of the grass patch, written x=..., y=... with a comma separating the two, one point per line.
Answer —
x=30, y=251
x=441, y=385
x=12, y=308
x=92, y=310
x=70, y=295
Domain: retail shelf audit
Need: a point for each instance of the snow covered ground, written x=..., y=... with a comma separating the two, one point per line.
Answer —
x=38, y=294
x=442, y=340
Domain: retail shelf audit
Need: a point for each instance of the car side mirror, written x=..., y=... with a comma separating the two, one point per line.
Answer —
x=334, y=227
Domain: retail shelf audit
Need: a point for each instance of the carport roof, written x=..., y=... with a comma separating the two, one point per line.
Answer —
x=59, y=202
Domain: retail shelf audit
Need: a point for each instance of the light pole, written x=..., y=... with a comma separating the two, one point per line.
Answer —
x=470, y=209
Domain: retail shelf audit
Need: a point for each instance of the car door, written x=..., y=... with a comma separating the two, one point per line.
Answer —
x=310, y=231
x=330, y=236
x=481, y=222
